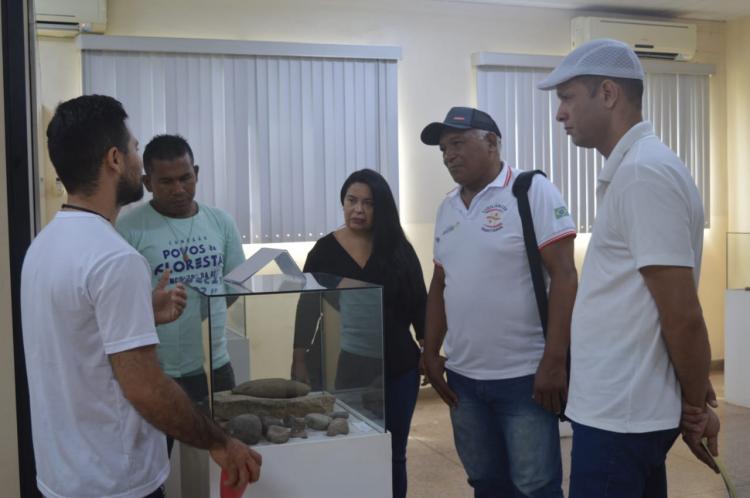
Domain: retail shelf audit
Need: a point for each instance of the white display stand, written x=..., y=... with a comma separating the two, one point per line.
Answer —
x=342, y=466
x=737, y=347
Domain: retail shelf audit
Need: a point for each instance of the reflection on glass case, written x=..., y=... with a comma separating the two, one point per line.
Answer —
x=306, y=352
x=738, y=260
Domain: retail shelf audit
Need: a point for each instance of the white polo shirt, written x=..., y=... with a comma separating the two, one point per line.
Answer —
x=494, y=330
x=650, y=213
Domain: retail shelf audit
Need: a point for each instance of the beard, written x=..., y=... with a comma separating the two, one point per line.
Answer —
x=128, y=191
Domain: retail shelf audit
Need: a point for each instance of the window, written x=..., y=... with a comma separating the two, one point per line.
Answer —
x=676, y=101
x=275, y=127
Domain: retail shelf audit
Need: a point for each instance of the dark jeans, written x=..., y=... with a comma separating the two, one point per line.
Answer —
x=400, y=399
x=159, y=493
x=607, y=464
x=508, y=444
x=196, y=387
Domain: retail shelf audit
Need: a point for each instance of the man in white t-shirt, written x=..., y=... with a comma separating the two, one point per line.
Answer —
x=640, y=351
x=505, y=384
x=98, y=397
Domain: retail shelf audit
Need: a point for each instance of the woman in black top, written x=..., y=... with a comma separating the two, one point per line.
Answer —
x=372, y=247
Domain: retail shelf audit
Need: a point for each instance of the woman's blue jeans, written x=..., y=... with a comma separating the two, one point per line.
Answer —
x=401, y=398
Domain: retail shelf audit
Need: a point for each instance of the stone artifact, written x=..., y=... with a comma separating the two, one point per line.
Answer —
x=277, y=434
x=317, y=421
x=228, y=405
x=340, y=414
x=272, y=388
x=247, y=428
x=295, y=423
x=299, y=433
x=269, y=421
x=338, y=426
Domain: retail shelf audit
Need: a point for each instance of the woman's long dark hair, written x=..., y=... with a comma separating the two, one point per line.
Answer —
x=391, y=250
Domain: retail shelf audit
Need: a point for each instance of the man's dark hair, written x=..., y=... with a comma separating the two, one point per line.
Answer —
x=632, y=88
x=80, y=134
x=165, y=148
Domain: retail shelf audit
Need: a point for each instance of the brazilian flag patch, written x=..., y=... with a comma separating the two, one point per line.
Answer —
x=561, y=212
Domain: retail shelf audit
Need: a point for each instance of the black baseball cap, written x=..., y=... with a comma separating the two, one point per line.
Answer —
x=459, y=118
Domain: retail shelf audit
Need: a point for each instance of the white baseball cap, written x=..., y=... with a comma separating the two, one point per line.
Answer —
x=603, y=57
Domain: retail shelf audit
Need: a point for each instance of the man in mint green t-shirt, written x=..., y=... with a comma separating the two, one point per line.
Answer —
x=199, y=244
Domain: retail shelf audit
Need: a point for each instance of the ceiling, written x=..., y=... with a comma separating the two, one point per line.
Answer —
x=714, y=10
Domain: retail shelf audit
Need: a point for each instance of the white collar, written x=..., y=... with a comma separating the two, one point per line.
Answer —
x=502, y=180
x=633, y=135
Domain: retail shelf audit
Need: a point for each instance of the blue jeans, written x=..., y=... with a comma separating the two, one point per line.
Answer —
x=508, y=444
x=608, y=464
x=401, y=398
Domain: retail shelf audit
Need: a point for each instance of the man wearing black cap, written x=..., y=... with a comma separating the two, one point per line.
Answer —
x=504, y=384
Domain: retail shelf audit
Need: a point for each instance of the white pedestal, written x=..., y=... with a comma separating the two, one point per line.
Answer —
x=342, y=466
x=737, y=347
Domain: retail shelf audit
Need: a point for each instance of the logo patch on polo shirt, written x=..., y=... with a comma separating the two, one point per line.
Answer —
x=561, y=212
x=493, y=217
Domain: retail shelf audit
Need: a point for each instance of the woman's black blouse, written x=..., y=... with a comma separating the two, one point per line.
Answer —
x=401, y=352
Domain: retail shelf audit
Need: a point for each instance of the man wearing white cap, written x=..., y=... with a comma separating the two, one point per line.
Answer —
x=639, y=346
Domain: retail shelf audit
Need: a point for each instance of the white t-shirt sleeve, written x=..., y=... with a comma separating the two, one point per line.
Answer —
x=552, y=220
x=654, y=220
x=120, y=290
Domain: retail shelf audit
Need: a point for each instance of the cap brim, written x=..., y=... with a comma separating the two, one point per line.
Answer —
x=432, y=132
x=552, y=80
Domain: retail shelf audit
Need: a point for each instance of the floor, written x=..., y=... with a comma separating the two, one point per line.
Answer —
x=435, y=470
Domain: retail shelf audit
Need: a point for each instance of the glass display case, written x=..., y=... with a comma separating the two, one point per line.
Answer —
x=305, y=350
x=738, y=261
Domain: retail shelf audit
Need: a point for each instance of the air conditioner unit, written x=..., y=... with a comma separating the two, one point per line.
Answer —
x=653, y=39
x=70, y=17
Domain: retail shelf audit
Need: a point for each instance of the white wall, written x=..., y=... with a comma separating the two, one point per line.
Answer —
x=437, y=38
x=738, y=123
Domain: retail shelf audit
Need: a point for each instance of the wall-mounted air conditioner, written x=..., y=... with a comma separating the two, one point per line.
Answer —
x=70, y=17
x=654, y=39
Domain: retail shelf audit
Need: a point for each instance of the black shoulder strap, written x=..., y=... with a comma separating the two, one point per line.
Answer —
x=521, y=191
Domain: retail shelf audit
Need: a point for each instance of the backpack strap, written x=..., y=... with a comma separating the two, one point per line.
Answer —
x=521, y=191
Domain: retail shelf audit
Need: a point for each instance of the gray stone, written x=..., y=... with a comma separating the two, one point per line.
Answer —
x=272, y=388
x=246, y=427
x=338, y=426
x=340, y=414
x=277, y=434
x=269, y=421
x=295, y=423
x=227, y=405
x=317, y=421
x=299, y=433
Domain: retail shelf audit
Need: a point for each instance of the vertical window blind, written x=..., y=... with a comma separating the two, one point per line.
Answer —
x=677, y=104
x=275, y=135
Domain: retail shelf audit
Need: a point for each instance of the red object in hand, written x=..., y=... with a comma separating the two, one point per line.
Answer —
x=228, y=491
